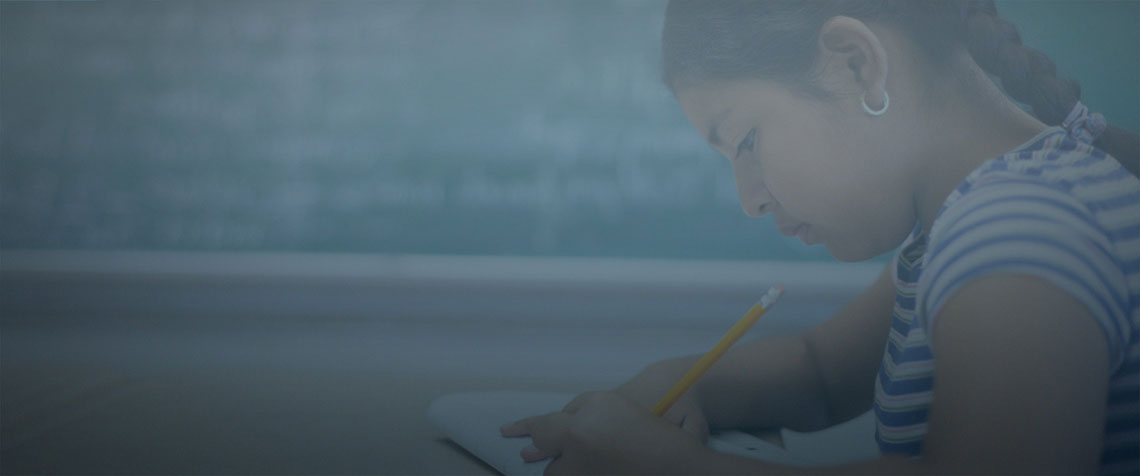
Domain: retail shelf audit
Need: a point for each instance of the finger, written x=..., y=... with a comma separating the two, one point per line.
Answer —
x=531, y=454
x=698, y=426
x=516, y=428
x=682, y=407
x=674, y=415
x=521, y=427
x=548, y=435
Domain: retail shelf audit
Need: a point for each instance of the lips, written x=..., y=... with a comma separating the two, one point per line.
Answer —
x=805, y=235
x=792, y=230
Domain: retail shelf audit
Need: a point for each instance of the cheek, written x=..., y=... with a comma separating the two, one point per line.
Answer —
x=803, y=150
x=843, y=172
x=867, y=220
x=803, y=182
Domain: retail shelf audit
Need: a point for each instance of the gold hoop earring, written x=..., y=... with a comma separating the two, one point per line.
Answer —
x=886, y=104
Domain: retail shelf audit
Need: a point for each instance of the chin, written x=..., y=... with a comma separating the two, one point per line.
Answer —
x=849, y=254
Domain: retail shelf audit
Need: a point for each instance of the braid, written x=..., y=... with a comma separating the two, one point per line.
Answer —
x=1029, y=76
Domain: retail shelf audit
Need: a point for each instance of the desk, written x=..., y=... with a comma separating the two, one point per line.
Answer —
x=182, y=363
x=336, y=399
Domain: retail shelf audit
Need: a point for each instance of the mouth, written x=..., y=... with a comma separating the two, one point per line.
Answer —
x=792, y=230
x=803, y=232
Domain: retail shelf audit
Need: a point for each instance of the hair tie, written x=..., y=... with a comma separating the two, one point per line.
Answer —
x=1083, y=126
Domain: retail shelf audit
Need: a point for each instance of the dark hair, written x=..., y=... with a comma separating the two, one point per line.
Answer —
x=732, y=39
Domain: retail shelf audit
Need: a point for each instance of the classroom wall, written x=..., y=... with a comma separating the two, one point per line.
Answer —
x=429, y=127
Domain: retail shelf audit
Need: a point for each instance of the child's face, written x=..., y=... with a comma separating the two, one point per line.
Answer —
x=818, y=168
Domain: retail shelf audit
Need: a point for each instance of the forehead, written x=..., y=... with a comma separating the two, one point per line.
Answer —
x=710, y=99
x=706, y=100
x=711, y=104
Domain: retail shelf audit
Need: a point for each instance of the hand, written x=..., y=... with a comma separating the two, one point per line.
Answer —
x=606, y=433
x=647, y=388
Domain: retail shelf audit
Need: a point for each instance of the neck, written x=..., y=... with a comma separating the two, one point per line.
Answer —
x=979, y=125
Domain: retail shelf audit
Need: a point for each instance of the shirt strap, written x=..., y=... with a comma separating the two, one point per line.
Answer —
x=1083, y=126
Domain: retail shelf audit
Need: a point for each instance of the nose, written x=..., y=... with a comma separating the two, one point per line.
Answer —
x=754, y=198
x=753, y=210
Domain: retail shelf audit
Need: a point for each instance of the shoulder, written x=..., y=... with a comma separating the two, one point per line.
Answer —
x=1051, y=171
x=1047, y=195
x=1008, y=203
x=1054, y=216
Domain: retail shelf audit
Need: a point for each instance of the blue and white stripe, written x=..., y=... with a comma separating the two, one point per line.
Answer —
x=1055, y=208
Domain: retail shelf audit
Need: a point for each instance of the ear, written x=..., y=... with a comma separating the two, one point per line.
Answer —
x=852, y=61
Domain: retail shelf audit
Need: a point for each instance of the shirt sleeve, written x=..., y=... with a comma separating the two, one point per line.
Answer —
x=1015, y=225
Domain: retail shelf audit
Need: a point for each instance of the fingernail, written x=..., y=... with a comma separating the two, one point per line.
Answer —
x=531, y=453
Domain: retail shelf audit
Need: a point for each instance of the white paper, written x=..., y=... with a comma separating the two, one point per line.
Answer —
x=473, y=419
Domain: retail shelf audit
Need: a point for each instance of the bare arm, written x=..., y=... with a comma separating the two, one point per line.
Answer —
x=801, y=382
x=1022, y=383
x=849, y=349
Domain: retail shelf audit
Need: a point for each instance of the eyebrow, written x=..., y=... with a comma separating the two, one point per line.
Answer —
x=712, y=137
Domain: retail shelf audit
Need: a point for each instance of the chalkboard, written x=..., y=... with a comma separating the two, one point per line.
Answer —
x=439, y=127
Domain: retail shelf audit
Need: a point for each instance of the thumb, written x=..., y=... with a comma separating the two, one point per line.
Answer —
x=697, y=425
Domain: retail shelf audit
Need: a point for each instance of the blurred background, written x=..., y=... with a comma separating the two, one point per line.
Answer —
x=260, y=237
x=530, y=128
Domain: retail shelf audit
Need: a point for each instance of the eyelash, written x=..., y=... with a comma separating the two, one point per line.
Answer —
x=749, y=140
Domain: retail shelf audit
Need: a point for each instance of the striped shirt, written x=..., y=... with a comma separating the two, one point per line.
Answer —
x=1055, y=208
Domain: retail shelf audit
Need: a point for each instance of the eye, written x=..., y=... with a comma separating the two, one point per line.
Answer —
x=746, y=144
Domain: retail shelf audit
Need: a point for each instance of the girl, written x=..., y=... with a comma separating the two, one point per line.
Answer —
x=1010, y=314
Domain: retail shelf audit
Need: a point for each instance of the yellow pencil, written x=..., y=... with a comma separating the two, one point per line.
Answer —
x=718, y=350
